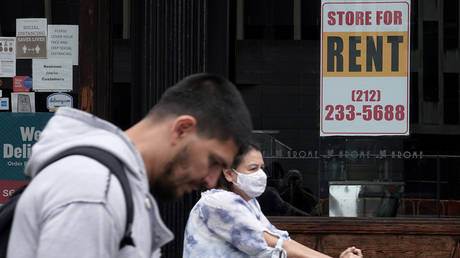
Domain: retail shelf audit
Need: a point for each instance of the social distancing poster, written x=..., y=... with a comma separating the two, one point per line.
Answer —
x=365, y=67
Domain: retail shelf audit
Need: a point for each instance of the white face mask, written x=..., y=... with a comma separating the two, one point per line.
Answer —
x=252, y=184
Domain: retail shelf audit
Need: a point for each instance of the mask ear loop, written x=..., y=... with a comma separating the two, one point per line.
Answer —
x=237, y=173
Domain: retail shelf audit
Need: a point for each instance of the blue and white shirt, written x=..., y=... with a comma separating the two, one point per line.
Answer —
x=223, y=224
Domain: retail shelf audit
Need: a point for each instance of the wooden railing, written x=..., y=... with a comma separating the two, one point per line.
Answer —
x=377, y=237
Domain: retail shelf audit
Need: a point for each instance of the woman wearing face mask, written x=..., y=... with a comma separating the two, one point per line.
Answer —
x=228, y=222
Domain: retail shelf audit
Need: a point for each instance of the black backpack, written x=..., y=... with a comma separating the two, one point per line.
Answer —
x=100, y=155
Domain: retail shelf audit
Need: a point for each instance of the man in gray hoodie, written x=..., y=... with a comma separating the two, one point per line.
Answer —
x=76, y=208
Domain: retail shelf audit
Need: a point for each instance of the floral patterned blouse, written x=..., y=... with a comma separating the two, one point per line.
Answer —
x=222, y=224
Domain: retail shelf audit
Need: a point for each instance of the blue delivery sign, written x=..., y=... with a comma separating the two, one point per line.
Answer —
x=18, y=133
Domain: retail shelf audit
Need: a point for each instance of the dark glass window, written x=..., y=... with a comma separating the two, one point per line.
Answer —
x=430, y=61
x=450, y=25
x=408, y=176
x=268, y=19
x=451, y=98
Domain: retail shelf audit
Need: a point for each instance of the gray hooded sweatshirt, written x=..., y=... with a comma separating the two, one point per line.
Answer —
x=75, y=207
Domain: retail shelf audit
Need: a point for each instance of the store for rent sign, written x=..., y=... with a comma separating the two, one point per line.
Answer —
x=365, y=68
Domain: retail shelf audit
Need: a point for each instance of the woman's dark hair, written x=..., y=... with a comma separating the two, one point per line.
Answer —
x=222, y=182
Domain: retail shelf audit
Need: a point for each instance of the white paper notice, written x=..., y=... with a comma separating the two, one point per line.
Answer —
x=4, y=103
x=31, y=38
x=52, y=74
x=63, y=42
x=23, y=102
x=7, y=56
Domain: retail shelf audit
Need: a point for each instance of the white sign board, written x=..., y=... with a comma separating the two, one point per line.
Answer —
x=4, y=103
x=7, y=56
x=57, y=100
x=365, y=67
x=31, y=38
x=23, y=102
x=63, y=42
x=52, y=74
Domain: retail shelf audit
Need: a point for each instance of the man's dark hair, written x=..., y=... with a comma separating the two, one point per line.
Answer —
x=222, y=182
x=214, y=102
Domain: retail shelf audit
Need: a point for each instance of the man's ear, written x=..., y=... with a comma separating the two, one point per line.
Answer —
x=181, y=127
x=228, y=174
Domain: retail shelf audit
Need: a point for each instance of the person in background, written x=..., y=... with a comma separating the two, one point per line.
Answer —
x=228, y=222
x=76, y=208
x=273, y=204
x=296, y=194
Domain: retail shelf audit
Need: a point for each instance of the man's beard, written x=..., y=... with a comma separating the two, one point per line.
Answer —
x=164, y=188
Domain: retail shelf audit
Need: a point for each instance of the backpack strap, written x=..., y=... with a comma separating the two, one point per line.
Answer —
x=116, y=167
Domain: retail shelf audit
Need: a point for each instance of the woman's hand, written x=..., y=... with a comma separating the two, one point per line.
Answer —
x=351, y=252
